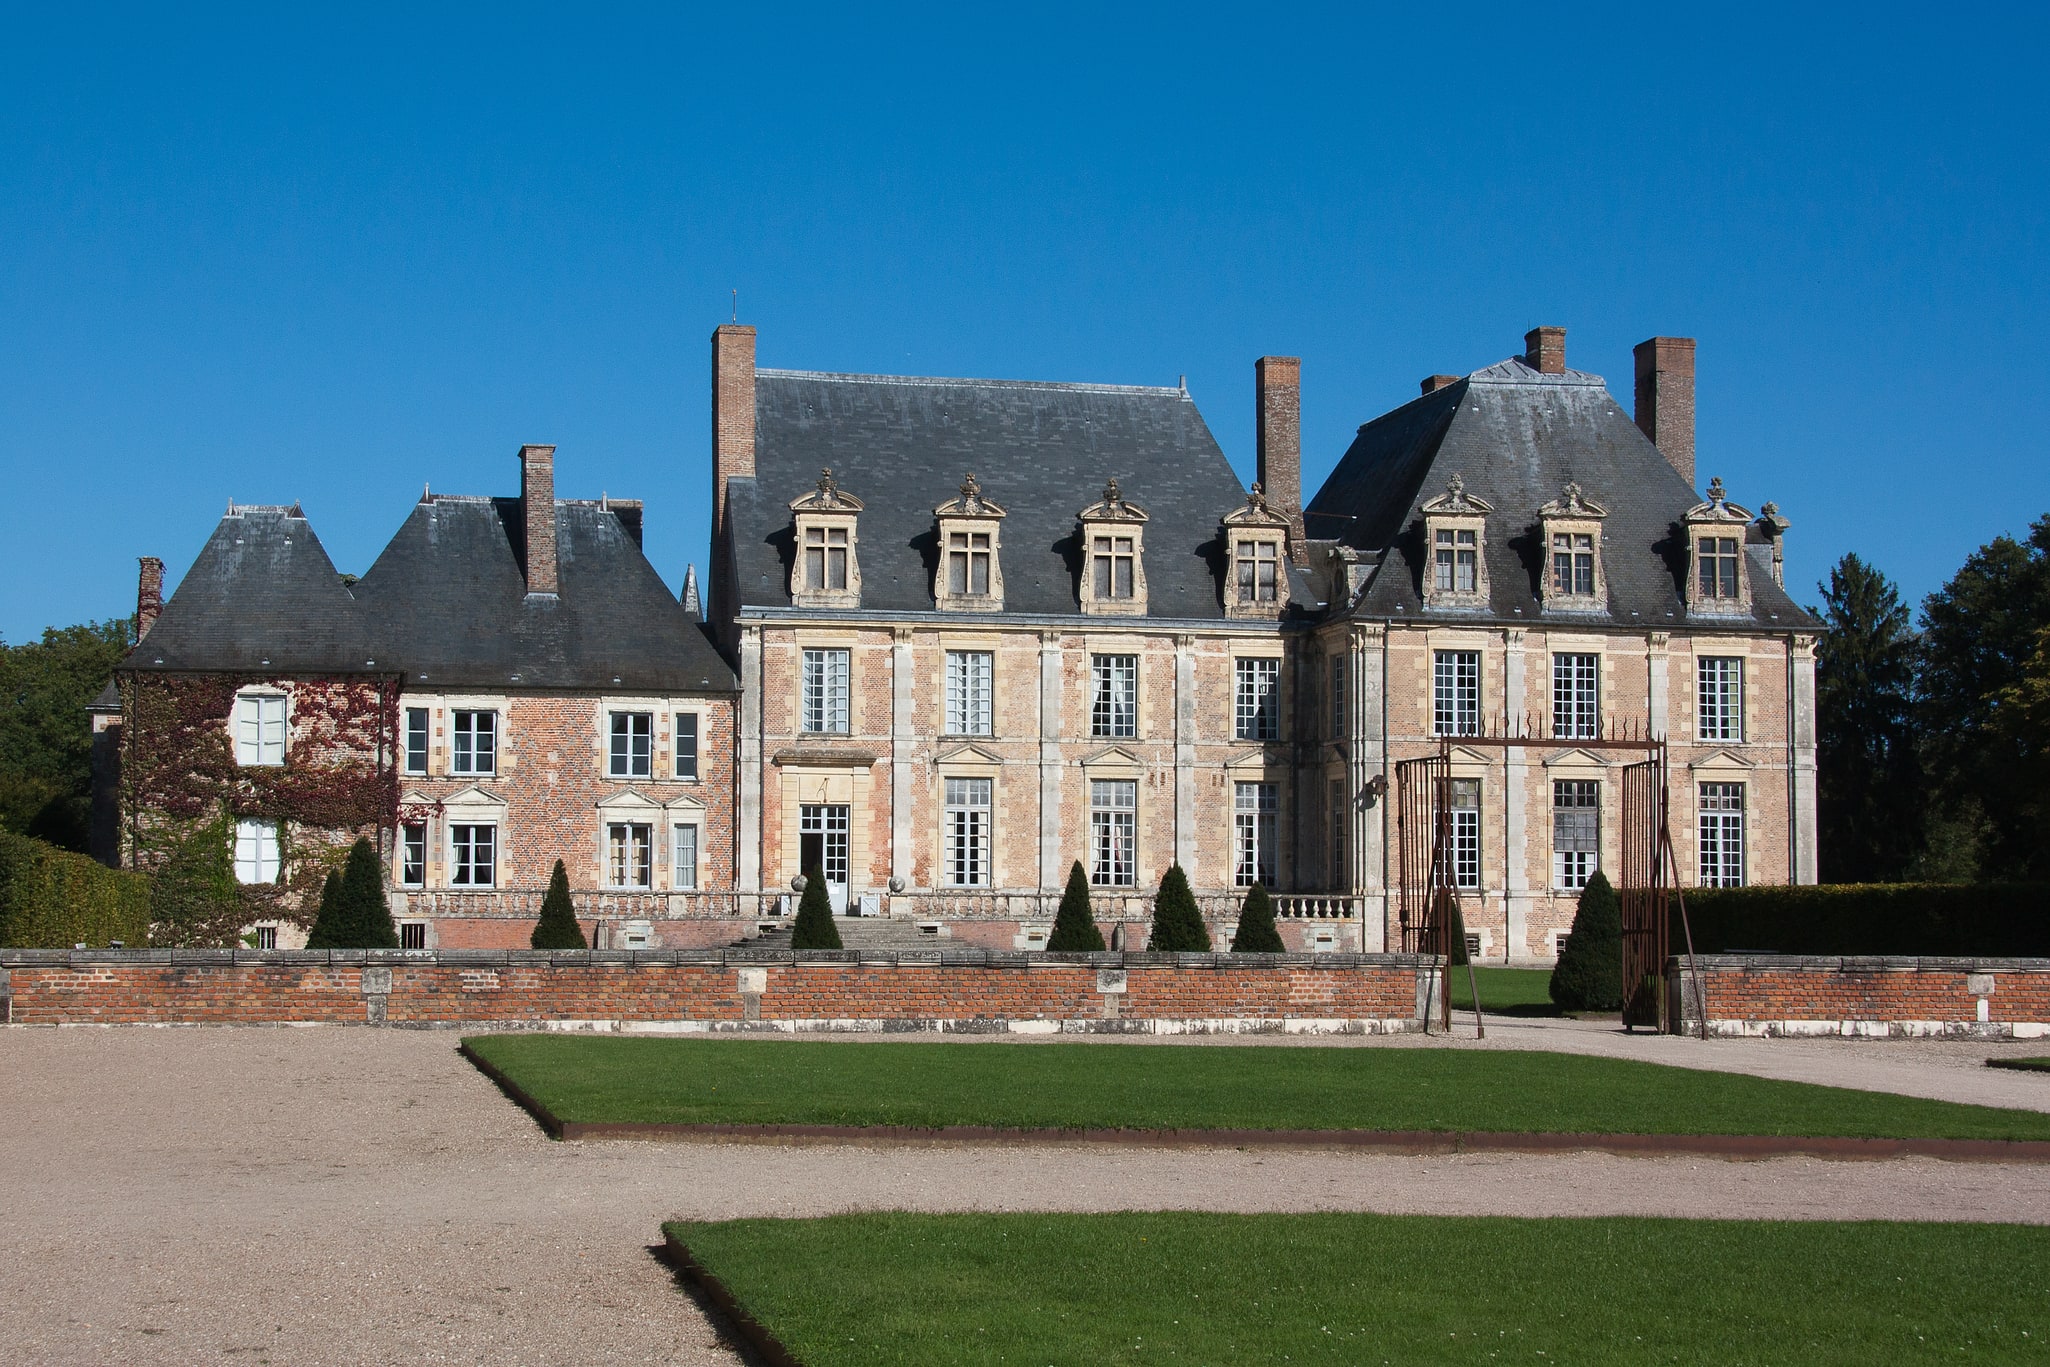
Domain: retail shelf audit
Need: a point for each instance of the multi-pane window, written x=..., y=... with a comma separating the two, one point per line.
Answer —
x=967, y=832
x=969, y=674
x=1456, y=693
x=1465, y=800
x=1114, y=832
x=1341, y=835
x=1258, y=711
x=1456, y=563
x=633, y=745
x=1722, y=835
x=968, y=563
x=260, y=729
x=413, y=854
x=1573, y=564
x=1255, y=814
x=687, y=745
x=825, y=557
x=1719, y=709
x=825, y=690
x=1114, y=695
x=683, y=855
x=1338, y=668
x=1576, y=832
x=1259, y=571
x=1718, y=560
x=822, y=836
x=473, y=856
x=256, y=851
x=1576, y=706
x=1112, y=560
x=473, y=747
x=629, y=854
x=416, y=740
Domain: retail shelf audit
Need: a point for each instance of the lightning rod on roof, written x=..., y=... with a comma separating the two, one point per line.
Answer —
x=736, y=306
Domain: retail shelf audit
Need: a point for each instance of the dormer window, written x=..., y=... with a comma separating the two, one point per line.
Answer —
x=1457, y=561
x=1573, y=539
x=1259, y=571
x=1455, y=529
x=1718, y=569
x=970, y=577
x=1258, y=538
x=826, y=572
x=1718, y=580
x=1114, y=567
x=1573, y=565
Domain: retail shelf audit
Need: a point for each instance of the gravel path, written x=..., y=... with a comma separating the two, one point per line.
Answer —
x=359, y=1196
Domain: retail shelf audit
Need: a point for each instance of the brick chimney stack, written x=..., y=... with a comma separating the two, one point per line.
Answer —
x=1544, y=350
x=537, y=505
x=149, y=596
x=1279, y=387
x=1665, y=399
x=733, y=414
x=1434, y=383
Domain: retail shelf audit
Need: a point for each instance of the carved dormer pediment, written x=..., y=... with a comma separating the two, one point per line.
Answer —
x=826, y=571
x=1573, y=504
x=829, y=497
x=1113, y=556
x=1455, y=571
x=1718, y=571
x=970, y=574
x=1574, y=578
x=1256, y=538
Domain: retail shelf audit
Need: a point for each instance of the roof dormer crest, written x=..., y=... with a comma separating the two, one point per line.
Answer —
x=970, y=503
x=1572, y=502
x=827, y=498
x=1455, y=501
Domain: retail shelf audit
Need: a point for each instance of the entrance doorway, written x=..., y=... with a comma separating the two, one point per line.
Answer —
x=822, y=844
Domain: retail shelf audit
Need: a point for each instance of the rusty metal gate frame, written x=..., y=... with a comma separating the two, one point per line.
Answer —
x=1428, y=898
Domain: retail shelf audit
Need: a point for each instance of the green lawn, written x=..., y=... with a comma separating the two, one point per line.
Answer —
x=1504, y=991
x=740, y=1081
x=1032, y=1290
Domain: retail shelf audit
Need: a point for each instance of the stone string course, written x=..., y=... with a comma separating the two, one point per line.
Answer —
x=1862, y=998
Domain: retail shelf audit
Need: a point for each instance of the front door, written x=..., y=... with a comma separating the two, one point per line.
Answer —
x=822, y=844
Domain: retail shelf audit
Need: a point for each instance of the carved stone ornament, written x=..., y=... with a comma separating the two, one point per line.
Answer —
x=1258, y=512
x=1573, y=503
x=1112, y=507
x=1456, y=501
x=1718, y=508
x=827, y=498
x=970, y=503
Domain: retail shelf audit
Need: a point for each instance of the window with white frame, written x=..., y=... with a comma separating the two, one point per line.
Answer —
x=473, y=855
x=1465, y=799
x=1114, y=695
x=1259, y=571
x=1718, y=568
x=1256, y=811
x=968, y=555
x=1576, y=832
x=1341, y=835
x=1719, y=710
x=1573, y=564
x=260, y=729
x=683, y=855
x=1338, y=669
x=1112, y=562
x=473, y=747
x=1456, y=564
x=969, y=675
x=632, y=752
x=1114, y=832
x=825, y=558
x=687, y=745
x=1456, y=693
x=967, y=818
x=1258, y=713
x=629, y=854
x=256, y=851
x=1721, y=831
x=825, y=690
x=1576, y=707
x=413, y=854
x=416, y=740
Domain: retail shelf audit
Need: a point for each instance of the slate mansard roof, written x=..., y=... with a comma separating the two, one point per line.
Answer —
x=1517, y=435
x=1041, y=451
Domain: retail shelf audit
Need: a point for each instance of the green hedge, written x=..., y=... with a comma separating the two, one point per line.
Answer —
x=53, y=899
x=1991, y=920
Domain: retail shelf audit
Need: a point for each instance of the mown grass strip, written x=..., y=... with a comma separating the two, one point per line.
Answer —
x=1027, y=1290
x=2021, y=1065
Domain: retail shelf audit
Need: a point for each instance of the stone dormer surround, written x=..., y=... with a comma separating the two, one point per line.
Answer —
x=970, y=573
x=1574, y=579
x=1718, y=571
x=1455, y=548
x=1257, y=550
x=1113, y=581
x=826, y=571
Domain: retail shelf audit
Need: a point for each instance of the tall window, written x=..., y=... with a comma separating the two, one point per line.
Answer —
x=1114, y=695
x=629, y=855
x=1111, y=561
x=473, y=851
x=1259, y=699
x=823, y=840
x=1259, y=571
x=413, y=854
x=967, y=832
x=416, y=740
x=969, y=673
x=1576, y=832
x=687, y=745
x=825, y=557
x=474, y=747
x=825, y=690
x=968, y=563
x=1338, y=664
x=1576, y=710
x=1719, y=710
x=256, y=851
x=1456, y=693
x=683, y=855
x=1466, y=832
x=260, y=729
x=1573, y=564
x=1114, y=832
x=1718, y=579
x=1341, y=835
x=633, y=745
x=1722, y=835
x=1255, y=811
x=1456, y=565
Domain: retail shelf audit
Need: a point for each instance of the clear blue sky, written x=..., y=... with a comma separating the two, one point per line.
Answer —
x=268, y=255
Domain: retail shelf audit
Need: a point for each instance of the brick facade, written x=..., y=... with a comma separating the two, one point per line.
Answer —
x=1861, y=998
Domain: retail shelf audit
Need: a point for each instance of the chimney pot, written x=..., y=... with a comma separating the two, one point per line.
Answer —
x=1665, y=399
x=1434, y=383
x=1278, y=385
x=1544, y=350
x=149, y=596
x=537, y=505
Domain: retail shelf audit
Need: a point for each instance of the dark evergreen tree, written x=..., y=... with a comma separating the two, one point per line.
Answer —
x=327, y=922
x=1870, y=795
x=557, y=927
x=366, y=916
x=1177, y=924
x=1256, y=933
x=1589, y=974
x=1074, y=925
x=814, y=928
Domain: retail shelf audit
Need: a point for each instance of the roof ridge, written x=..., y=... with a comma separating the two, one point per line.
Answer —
x=1081, y=387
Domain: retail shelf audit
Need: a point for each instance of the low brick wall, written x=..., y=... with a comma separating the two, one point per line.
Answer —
x=720, y=990
x=1861, y=998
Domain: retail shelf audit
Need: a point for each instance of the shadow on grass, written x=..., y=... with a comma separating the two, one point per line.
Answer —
x=723, y=1328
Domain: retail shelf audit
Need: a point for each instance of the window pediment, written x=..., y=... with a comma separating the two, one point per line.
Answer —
x=968, y=754
x=826, y=570
x=1256, y=540
x=475, y=796
x=1113, y=582
x=970, y=573
x=1718, y=566
x=1114, y=758
x=1455, y=571
x=1722, y=759
x=1574, y=579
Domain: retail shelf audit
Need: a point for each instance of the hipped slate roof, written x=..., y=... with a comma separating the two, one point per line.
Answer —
x=1517, y=436
x=1042, y=451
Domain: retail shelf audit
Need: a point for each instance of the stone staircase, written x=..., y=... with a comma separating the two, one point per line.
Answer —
x=860, y=932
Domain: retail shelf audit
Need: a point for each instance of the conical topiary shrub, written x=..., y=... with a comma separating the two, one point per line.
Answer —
x=1256, y=933
x=814, y=928
x=327, y=922
x=557, y=928
x=1589, y=974
x=1074, y=925
x=1177, y=925
x=366, y=916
